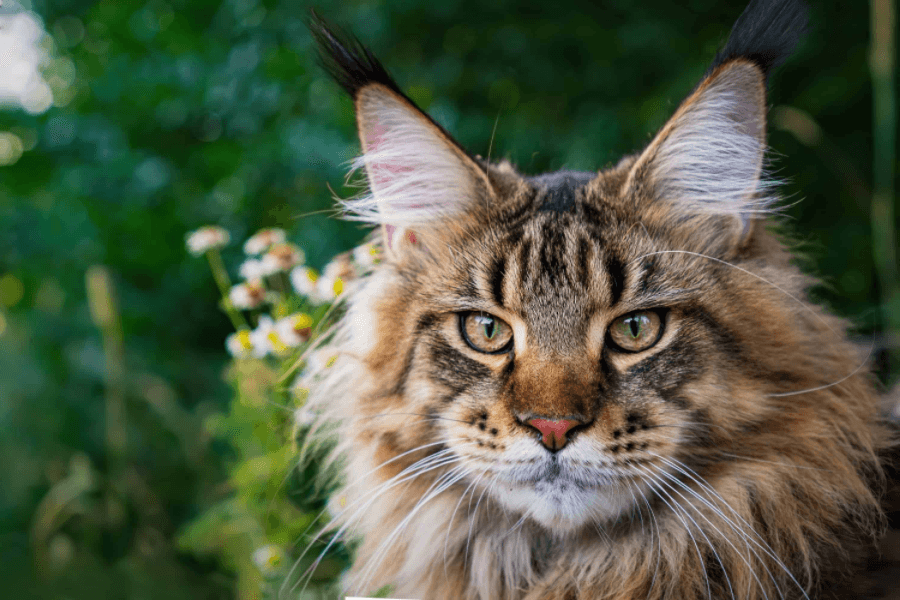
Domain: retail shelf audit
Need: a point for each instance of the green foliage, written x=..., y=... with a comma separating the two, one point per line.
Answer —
x=130, y=468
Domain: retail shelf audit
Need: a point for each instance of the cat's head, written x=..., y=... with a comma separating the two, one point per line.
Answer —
x=572, y=337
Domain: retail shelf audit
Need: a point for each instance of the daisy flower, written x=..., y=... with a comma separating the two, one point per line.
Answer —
x=271, y=338
x=316, y=363
x=367, y=256
x=294, y=329
x=206, y=238
x=247, y=295
x=304, y=416
x=253, y=268
x=268, y=559
x=319, y=361
x=262, y=239
x=334, y=277
x=282, y=257
x=239, y=344
x=304, y=279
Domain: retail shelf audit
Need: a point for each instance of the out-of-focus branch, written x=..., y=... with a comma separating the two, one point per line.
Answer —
x=105, y=314
x=881, y=64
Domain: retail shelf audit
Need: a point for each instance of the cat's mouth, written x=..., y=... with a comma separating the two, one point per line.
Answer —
x=557, y=469
x=563, y=494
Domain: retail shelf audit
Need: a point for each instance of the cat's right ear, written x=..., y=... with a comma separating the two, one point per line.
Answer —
x=708, y=161
x=420, y=179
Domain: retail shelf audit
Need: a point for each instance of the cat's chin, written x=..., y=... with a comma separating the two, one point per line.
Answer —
x=563, y=506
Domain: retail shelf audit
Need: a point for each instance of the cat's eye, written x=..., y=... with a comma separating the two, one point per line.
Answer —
x=485, y=333
x=636, y=331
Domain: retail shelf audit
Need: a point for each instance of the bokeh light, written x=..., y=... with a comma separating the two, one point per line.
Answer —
x=23, y=55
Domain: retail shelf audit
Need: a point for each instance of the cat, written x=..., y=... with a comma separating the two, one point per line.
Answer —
x=584, y=385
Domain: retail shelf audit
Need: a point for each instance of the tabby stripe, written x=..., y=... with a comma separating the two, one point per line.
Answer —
x=524, y=260
x=454, y=369
x=425, y=322
x=553, y=266
x=616, y=272
x=649, y=285
x=584, y=251
x=498, y=272
x=726, y=341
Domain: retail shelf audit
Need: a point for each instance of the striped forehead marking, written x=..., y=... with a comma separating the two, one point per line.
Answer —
x=558, y=190
x=553, y=255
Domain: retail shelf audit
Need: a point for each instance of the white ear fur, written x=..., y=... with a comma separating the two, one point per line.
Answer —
x=708, y=159
x=417, y=176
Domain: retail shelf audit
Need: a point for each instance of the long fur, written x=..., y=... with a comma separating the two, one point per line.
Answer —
x=738, y=456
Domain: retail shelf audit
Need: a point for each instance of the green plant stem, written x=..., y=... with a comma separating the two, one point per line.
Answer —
x=220, y=274
x=881, y=63
x=105, y=314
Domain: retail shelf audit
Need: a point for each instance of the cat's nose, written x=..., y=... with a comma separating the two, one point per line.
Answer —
x=553, y=431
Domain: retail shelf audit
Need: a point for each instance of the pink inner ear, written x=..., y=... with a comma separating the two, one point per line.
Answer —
x=390, y=230
x=382, y=173
x=389, y=233
x=387, y=174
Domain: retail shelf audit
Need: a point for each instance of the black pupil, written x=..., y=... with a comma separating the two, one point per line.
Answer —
x=635, y=326
x=489, y=325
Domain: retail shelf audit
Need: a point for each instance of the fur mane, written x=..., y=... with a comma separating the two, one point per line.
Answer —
x=768, y=490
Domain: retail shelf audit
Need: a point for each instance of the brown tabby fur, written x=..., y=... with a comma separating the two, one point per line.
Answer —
x=745, y=443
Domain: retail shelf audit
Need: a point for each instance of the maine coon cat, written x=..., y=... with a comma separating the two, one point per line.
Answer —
x=586, y=385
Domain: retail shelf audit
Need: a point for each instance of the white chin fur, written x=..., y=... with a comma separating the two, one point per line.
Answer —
x=558, y=501
x=562, y=506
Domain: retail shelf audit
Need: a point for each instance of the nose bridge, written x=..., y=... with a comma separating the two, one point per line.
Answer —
x=552, y=387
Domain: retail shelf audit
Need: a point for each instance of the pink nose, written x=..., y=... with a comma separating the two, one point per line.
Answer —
x=553, y=431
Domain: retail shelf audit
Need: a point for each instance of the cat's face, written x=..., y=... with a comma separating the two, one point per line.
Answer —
x=562, y=353
x=565, y=336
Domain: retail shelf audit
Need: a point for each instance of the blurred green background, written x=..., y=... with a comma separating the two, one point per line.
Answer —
x=144, y=120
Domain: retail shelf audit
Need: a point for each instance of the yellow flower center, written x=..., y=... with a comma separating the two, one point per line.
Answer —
x=276, y=342
x=243, y=338
x=301, y=321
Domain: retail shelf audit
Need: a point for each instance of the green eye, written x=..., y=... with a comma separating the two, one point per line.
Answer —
x=636, y=331
x=485, y=333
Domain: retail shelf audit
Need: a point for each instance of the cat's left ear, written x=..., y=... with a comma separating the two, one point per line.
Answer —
x=421, y=181
x=708, y=160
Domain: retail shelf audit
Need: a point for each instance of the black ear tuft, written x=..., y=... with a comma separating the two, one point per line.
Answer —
x=346, y=59
x=766, y=33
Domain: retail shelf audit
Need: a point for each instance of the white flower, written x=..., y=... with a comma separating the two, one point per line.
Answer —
x=271, y=338
x=268, y=559
x=253, y=268
x=262, y=337
x=304, y=280
x=282, y=257
x=367, y=256
x=294, y=329
x=247, y=295
x=304, y=416
x=328, y=288
x=318, y=361
x=334, y=278
x=262, y=239
x=206, y=238
x=239, y=344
